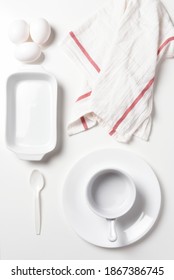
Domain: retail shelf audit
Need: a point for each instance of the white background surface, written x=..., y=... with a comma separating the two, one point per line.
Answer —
x=58, y=240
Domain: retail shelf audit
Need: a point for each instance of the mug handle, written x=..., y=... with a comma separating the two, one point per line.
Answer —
x=112, y=235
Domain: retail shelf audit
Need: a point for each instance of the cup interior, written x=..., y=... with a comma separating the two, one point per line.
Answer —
x=111, y=193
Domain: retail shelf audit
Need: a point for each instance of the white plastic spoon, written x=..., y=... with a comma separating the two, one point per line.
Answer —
x=37, y=183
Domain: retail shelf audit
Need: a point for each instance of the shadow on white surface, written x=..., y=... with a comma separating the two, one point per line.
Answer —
x=51, y=39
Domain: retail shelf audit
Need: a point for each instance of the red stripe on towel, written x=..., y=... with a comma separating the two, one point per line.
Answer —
x=164, y=44
x=129, y=109
x=84, y=96
x=84, y=123
x=141, y=94
x=73, y=36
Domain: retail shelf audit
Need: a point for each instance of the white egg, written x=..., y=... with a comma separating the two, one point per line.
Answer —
x=40, y=31
x=18, y=31
x=28, y=52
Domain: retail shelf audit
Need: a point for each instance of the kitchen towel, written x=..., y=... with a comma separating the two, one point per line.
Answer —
x=118, y=50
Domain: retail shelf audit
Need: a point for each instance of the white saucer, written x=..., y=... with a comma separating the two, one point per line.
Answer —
x=133, y=225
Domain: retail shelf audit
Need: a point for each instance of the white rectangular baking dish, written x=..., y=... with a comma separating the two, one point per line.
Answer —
x=31, y=118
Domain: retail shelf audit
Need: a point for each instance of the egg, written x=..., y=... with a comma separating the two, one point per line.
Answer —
x=18, y=31
x=27, y=52
x=40, y=31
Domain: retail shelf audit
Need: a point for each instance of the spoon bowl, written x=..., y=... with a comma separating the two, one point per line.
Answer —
x=37, y=180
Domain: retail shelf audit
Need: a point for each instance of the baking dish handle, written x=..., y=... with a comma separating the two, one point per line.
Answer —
x=32, y=157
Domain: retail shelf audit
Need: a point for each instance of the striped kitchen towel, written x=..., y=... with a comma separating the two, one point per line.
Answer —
x=118, y=50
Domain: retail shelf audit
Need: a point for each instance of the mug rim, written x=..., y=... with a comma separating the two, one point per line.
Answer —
x=103, y=171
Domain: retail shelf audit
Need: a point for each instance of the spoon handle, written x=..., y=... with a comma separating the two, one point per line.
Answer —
x=37, y=213
x=112, y=235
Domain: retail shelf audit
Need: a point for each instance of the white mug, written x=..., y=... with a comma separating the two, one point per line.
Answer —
x=110, y=194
